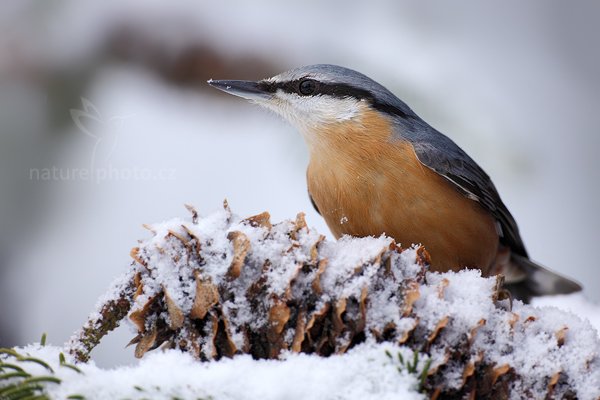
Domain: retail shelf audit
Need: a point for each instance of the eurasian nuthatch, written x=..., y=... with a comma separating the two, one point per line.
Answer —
x=376, y=167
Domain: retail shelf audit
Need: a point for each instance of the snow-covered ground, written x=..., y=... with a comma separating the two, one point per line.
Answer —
x=364, y=373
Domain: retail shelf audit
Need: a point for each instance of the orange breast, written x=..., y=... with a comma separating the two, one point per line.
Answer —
x=366, y=184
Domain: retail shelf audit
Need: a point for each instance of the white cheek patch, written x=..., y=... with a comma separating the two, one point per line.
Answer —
x=312, y=111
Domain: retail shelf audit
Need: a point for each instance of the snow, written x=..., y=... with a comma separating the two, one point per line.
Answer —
x=537, y=343
x=524, y=337
x=347, y=254
x=576, y=303
x=445, y=291
x=364, y=373
x=545, y=358
x=276, y=253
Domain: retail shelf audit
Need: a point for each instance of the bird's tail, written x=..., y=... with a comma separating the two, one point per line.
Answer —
x=538, y=281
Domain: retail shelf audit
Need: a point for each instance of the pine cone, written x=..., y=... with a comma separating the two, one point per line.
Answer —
x=221, y=286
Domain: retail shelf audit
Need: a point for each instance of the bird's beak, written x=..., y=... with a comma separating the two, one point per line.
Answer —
x=247, y=89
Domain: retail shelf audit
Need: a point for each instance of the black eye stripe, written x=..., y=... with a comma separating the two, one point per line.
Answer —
x=327, y=88
x=339, y=90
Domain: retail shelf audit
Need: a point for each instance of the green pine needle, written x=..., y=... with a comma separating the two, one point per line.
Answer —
x=424, y=374
x=37, y=379
x=37, y=361
x=10, y=366
x=71, y=366
x=20, y=391
x=18, y=374
x=10, y=352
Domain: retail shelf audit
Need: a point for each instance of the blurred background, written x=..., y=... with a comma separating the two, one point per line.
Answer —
x=106, y=123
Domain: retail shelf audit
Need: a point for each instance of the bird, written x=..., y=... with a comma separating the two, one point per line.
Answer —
x=377, y=168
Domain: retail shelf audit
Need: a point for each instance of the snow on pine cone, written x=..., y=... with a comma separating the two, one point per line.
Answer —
x=219, y=286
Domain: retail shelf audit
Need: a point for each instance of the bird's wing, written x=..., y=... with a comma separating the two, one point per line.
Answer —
x=447, y=159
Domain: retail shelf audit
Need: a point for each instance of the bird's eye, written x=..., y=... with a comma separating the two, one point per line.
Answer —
x=307, y=87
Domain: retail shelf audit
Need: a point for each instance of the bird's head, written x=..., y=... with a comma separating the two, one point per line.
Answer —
x=317, y=98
